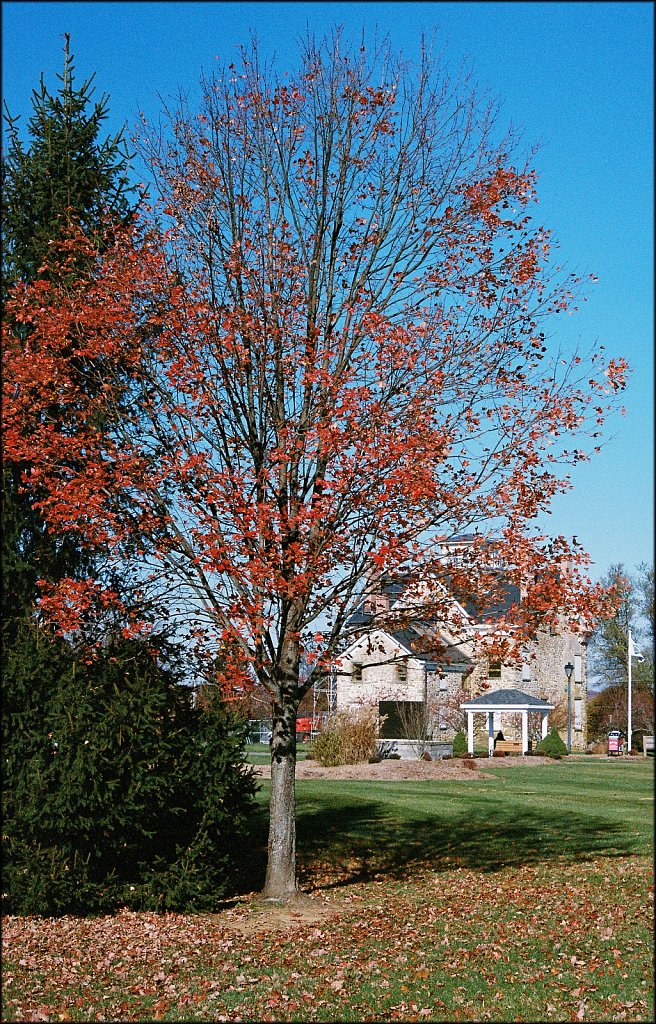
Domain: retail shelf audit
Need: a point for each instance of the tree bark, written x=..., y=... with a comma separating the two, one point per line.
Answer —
x=280, y=882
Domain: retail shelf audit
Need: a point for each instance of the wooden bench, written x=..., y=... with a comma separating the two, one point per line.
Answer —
x=647, y=745
x=508, y=746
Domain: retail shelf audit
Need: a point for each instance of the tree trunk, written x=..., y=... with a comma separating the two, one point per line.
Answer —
x=280, y=883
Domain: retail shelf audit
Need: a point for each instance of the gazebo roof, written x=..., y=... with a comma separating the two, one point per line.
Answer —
x=507, y=700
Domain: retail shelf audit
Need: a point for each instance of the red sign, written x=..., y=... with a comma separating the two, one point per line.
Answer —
x=305, y=725
x=615, y=744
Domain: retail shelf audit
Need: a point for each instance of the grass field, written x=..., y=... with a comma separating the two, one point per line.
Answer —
x=526, y=898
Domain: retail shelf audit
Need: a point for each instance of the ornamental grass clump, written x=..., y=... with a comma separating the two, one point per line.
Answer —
x=348, y=738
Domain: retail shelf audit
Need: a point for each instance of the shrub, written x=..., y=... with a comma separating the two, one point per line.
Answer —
x=459, y=744
x=327, y=748
x=498, y=753
x=347, y=738
x=469, y=762
x=393, y=757
x=552, y=745
x=426, y=756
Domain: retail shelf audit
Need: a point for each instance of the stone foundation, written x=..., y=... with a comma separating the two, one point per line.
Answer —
x=410, y=751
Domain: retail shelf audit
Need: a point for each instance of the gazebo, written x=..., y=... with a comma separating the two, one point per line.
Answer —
x=504, y=701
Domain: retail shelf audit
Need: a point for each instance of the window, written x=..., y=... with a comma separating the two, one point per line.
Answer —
x=443, y=684
x=401, y=719
x=526, y=673
x=494, y=670
x=402, y=671
x=578, y=668
x=357, y=671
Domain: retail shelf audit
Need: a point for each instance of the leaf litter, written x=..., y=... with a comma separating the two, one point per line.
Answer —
x=538, y=942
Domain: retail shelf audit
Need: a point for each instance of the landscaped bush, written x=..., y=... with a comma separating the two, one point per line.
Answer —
x=459, y=744
x=348, y=738
x=327, y=748
x=552, y=745
x=469, y=762
x=498, y=753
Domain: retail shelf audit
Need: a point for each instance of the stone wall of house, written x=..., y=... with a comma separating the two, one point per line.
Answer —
x=384, y=664
x=543, y=675
x=445, y=694
x=550, y=655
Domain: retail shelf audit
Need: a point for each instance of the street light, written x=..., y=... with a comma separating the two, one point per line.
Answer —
x=631, y=653
x=569, y=668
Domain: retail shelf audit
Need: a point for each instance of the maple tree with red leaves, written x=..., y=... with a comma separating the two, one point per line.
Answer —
x=332, y=360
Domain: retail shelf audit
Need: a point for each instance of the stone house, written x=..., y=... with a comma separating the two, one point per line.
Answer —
x=384, y=666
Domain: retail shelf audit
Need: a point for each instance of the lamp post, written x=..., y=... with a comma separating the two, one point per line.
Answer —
x=569, y=668
x=631, y=653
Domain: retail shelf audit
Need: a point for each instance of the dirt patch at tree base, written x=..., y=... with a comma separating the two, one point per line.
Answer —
x=255, y=915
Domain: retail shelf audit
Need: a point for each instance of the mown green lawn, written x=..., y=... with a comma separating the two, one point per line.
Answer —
x=528, y=897
x=260, y=753
x=526, y=815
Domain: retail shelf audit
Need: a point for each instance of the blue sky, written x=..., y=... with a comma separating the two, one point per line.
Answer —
x=576, y=77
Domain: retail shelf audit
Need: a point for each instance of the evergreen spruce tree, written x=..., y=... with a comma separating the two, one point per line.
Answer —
x=115, y=790
x=67, y=174
x=123, y=794
x=64, y=174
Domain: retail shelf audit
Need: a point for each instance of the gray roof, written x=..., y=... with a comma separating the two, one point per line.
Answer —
x=496, y=603
x=511, y=698
x=418, y=637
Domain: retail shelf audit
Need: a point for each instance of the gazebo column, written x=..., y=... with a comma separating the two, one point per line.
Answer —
x=545, y=724
x=524, y=731
x=470, y=732
x=490, y=733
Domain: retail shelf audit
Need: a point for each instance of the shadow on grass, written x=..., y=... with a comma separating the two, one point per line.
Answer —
x=359, y=840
